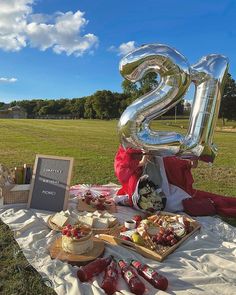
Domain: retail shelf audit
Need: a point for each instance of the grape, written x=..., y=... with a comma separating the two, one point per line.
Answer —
x=169, y=238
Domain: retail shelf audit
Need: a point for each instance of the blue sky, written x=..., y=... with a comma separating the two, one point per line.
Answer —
x=68, y=48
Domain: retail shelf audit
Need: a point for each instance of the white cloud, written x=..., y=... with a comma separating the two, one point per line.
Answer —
x=124, y=48
x=7, y=80
x=62, y=32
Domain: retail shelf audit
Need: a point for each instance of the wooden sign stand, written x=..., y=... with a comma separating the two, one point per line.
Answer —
x=50, y=183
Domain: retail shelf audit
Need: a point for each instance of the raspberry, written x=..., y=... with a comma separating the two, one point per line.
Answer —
x=64, y=231
x=68, y=234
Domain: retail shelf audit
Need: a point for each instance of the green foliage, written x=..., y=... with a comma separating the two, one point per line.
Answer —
x=228, y=102
x=2, y=104
x=145, y=85
x=105, y=104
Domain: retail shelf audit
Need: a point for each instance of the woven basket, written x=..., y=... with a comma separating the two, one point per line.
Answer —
x=14, y=197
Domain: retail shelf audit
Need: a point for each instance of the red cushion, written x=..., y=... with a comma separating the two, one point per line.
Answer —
x=199, y=207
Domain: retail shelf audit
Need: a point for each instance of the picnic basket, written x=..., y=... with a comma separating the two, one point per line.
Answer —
x=14, y=194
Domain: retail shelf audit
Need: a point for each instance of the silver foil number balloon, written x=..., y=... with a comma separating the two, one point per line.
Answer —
x=175, y=77
x=174, y=72
x=209, y=76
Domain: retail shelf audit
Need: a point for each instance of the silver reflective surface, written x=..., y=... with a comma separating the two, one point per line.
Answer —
x=208, y=74
x=174, y=72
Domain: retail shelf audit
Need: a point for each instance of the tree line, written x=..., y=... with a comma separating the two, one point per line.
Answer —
x=105, y=104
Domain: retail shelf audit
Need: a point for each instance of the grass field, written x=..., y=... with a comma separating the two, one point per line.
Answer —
x=93, y=144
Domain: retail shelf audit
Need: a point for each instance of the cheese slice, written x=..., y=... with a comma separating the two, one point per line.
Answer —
x=100, y=223
x=107, y=215
x=86, y=220
x=89, y=214
x=59, y=219
x=97, y=214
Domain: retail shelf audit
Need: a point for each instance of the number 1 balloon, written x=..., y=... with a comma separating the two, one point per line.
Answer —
x=175, y=77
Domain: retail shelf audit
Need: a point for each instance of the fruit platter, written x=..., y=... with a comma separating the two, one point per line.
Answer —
x=90, y=202
x=155, y=236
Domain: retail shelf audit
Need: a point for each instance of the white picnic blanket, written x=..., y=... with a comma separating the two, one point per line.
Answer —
x=204, y=264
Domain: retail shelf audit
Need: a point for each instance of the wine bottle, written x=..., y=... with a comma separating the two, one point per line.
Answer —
x=85, y=273
x=135, y=284
x=152, y=276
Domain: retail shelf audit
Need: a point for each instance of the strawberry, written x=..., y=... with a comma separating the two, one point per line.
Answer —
x=68, y=234
x=137, y=218
x=126, y=238
x=123, y=229
x=64, y=231
x=74, y=232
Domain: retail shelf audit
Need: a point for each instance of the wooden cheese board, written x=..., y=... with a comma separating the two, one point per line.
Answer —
x=160, y=253
x=83, y=206
x=96, y=231
x=56, y=252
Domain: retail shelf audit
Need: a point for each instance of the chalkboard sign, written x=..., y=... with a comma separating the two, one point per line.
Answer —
x=50, y=183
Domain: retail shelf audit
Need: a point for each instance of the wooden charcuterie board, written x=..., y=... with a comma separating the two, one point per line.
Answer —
x=160, y=254
x=56, y=252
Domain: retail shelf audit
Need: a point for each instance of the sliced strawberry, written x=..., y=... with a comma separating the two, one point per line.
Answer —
x=68, y=234
x=137, y=218
x=123, y=229
x=74, y=232
x=126, y=238
x=64, y=231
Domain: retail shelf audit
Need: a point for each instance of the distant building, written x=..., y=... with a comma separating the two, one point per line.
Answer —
x=15, y=112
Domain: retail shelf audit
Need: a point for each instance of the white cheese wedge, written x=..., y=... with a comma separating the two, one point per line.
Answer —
x=83, y=213
x=86, y=220
x=72, y=220
x=97, y=214
x=100, y=223
x=59, y=219
x=107, y=215
x=89, y=214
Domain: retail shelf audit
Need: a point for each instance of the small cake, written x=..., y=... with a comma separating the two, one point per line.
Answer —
x=108, y=204
x=94, y=203
x=77, y=239
x=101, y=198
